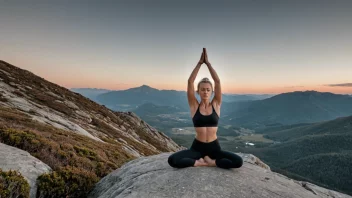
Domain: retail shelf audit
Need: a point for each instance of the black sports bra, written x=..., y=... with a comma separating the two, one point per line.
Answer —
x=200, y=120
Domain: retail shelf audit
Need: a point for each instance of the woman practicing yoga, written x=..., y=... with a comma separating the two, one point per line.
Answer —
x=205, y=118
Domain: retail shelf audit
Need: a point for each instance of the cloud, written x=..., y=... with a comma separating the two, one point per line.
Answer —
x=340, y=85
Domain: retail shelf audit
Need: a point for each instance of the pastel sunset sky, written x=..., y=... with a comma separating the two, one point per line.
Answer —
x=255, y=46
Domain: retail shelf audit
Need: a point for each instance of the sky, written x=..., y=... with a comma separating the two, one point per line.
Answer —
x=255, y=47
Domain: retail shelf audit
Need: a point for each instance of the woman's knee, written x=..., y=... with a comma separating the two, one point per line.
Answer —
x=171, y=160
x=230, y=160
x=183, y=158
x=239, y=162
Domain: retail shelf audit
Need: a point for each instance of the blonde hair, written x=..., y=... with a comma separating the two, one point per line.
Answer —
x=205, y=80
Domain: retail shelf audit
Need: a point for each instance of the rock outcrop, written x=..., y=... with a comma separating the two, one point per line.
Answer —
x=12, y=158
x=153, y=177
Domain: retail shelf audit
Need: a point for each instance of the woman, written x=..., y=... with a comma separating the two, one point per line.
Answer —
x=205, y=118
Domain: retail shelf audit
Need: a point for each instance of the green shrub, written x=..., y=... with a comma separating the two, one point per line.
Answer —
x=12, y=184
x=66, y=182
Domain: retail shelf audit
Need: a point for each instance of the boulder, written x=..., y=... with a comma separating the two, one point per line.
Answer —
x=152, y=176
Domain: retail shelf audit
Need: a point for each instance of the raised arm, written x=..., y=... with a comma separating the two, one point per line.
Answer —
x=192, y=100
x=218, y=96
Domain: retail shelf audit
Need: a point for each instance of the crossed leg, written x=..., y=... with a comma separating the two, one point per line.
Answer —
x=190, y=157
x=186, y=158
x=225, y=159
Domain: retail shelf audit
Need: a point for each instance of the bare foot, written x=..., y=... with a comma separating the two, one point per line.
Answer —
x=201, y=162
x=210, y=161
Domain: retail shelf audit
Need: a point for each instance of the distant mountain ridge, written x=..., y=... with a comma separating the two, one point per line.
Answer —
x=90, y=93
x=143, y=89
x=133, y=97
x=129, y=99
x=291, y=108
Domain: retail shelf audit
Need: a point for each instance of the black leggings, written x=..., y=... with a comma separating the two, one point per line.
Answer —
x=187, y=158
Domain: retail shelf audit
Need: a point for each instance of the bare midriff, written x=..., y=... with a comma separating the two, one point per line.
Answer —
x=206, y=134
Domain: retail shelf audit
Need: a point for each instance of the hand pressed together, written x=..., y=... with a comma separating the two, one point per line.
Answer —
x=204, y=57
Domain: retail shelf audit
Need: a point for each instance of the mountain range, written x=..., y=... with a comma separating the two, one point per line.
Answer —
x=290, y=108
x=129, y=99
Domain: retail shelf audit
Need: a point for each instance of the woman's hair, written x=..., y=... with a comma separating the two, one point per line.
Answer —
x=205, y=80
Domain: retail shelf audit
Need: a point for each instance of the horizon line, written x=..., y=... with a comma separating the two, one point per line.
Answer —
x=226, y=93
